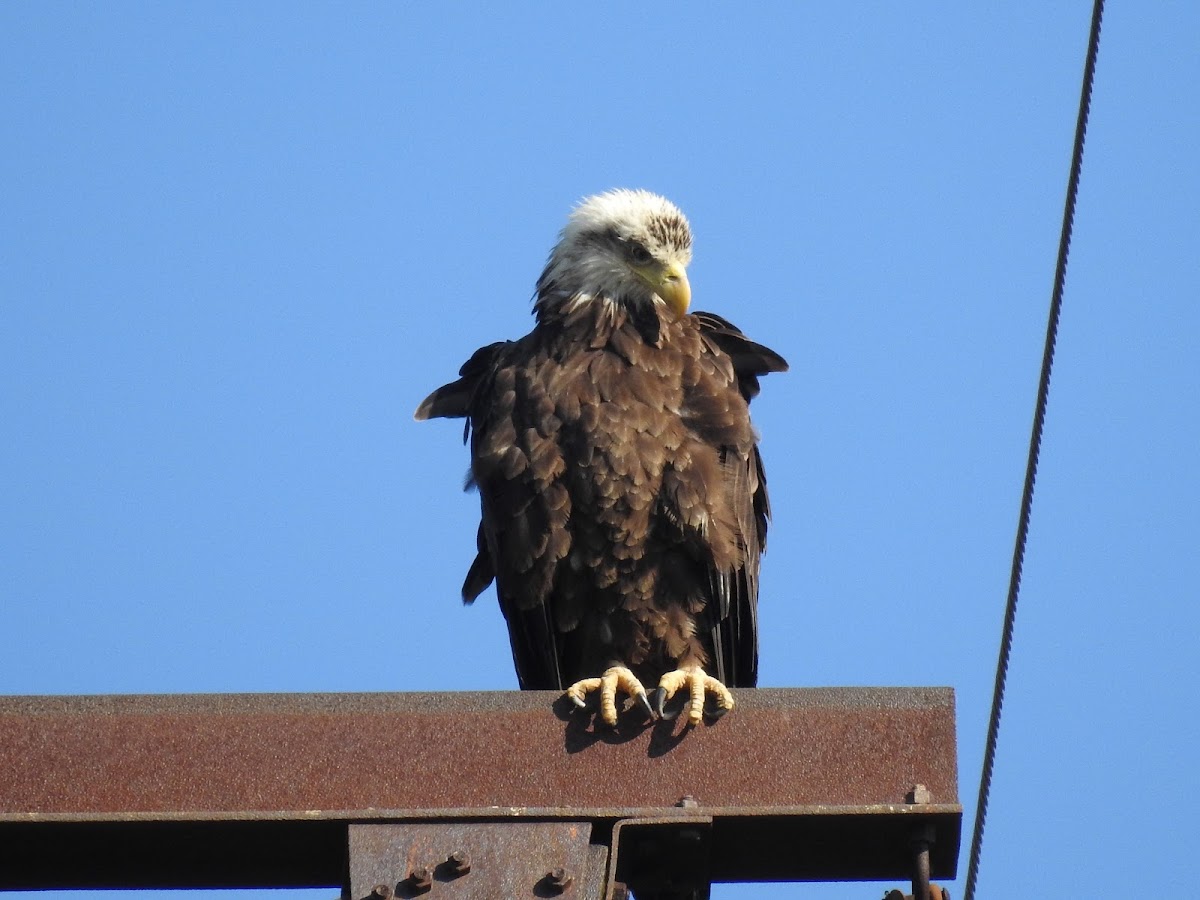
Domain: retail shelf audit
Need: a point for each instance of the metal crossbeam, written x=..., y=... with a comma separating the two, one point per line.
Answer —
x=263, y=790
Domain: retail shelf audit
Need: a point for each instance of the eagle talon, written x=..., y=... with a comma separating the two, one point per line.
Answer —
x=698, y=683
x=660, y=697
x=615, y=678
x=660, y=706
x=715, y=712
x=645, y=702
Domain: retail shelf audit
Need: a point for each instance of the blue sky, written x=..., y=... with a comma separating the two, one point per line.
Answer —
x=240, y=242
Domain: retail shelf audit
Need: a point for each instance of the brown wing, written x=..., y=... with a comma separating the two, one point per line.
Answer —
x=732, y=620
x=522, y=526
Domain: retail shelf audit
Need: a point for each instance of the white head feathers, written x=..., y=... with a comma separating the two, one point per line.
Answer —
x=633, y=215
x=606, y=239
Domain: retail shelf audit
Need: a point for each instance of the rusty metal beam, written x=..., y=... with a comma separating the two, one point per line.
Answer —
x=258, y=790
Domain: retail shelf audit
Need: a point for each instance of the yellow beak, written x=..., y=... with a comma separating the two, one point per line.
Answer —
x=670, y=283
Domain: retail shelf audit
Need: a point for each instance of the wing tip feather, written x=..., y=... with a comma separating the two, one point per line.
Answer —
x=450, y=401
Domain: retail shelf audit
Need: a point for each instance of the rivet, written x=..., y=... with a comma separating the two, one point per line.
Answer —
x=918, y=793
x=421, y=879
x=458, y=863
x=558, y=880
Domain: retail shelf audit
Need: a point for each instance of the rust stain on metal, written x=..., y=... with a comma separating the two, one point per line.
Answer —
x=312, y=754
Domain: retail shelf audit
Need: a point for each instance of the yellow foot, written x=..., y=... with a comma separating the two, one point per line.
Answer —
x=614, y=679
x=698, y=682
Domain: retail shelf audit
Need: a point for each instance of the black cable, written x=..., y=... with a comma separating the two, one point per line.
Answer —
x=1035, y=443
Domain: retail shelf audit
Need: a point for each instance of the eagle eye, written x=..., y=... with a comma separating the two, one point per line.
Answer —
x=638, y=254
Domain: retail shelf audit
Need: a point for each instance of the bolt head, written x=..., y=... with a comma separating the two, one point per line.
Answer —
x=558, y=880
x=918, y=794
x=421, y=879
x=459, y=862
x=687, y=801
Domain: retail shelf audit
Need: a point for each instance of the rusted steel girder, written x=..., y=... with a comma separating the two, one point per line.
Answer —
x=262, y=790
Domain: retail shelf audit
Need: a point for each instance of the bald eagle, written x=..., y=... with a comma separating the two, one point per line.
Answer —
x=624, y=504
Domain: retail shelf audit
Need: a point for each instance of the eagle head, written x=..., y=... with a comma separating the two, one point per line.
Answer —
x=623, y=249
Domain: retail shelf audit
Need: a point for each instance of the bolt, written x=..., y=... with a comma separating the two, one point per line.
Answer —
x=421, y=879
x=458, y=863
x=687, y=801
x=381, y=892
x=558, y=880
x=918, y=794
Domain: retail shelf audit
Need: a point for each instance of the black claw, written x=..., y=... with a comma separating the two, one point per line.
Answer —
x=660, y=697
x=645, y=701
x=660, y=704
x=717, y=711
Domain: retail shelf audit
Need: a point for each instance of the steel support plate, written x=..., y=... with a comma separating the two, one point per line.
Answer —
x=509, y=859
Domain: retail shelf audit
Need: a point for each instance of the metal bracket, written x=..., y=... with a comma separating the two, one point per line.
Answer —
x=661, y=858
x=475, y=861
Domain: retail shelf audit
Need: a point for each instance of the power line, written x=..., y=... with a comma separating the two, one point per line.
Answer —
x=1035, y=443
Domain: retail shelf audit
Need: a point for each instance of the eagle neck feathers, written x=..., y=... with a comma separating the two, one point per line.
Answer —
x=592, y=321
